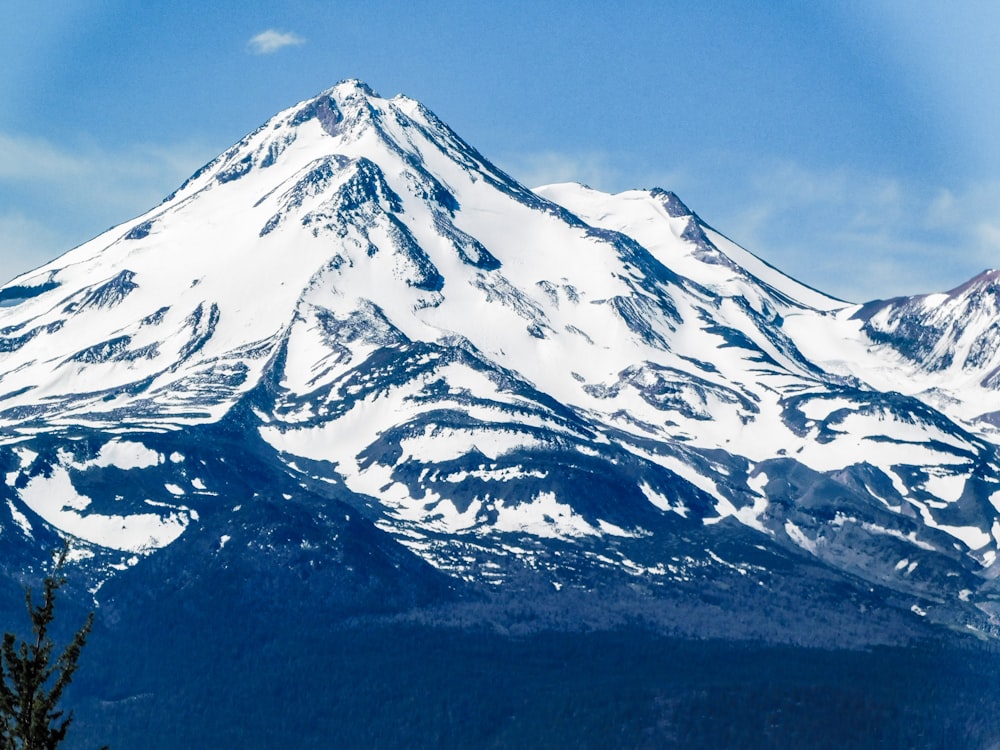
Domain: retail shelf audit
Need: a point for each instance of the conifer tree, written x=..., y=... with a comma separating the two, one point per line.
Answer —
x=32, y=680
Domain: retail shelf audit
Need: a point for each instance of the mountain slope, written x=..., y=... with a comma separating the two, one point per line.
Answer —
x=351, y=314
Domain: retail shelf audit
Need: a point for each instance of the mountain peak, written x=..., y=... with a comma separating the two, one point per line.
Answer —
x=986, y=282
x=673, y=205
x=351, y=87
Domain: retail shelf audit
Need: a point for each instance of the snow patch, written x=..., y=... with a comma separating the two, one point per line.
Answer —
x=543, y=516
x=948, y=487
x=758, y=483
x=125, y=454
x=19, y=518
x=662, y=502
x=613, y=530
x=798, y=536
x=911, y=537
x=56, y=500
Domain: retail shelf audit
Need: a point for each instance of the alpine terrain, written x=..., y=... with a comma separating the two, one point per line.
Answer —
x=352, y=383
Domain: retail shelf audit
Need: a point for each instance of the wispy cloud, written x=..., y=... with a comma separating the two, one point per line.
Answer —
x=32, y=160
x=597, y=169
x=272, y=40
x=863, y=236
x=55, y=197
x=26, y=243
x=548, y=167
x=96, y=180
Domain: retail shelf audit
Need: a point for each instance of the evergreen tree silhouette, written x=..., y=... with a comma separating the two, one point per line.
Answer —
x=32, y=680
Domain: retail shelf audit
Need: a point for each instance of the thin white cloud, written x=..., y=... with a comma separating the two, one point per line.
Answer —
x=54, y=197
x=596, y=169
x=549, y=167
x=96, y=177
x=27, y=243
x=862, y=236
x=27, y=158
x=272, y=40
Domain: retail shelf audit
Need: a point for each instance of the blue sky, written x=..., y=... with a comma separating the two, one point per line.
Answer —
x=853, y=144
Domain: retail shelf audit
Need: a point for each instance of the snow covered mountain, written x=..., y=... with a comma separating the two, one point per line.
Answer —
x=350, y=343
